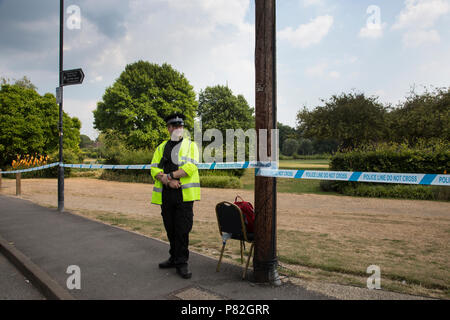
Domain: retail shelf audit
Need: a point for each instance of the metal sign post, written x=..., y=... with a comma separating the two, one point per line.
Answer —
x=60, y=96
x=265, y=259
x=66, y=78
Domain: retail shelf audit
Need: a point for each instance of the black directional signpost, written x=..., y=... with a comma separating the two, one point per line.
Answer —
x=66, y=78
x=70, y=77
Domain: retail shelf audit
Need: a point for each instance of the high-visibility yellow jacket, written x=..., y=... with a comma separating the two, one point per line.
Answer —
x=188, y=158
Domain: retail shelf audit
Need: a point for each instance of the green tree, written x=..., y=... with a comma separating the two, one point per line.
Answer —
x=290, y=146
x=220, y=109
x=24, y=82
x=285, y=132
x=352, y=119
x=29, y=124
x=85, y=141
x=305, y=147
x=425, y=116
x=137, y=103
x=325, y=146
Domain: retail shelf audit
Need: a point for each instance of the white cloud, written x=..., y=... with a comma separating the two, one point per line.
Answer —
x=321, y=71
x=419, y=14
x=96, y=79
x=309, y=3
x=372, y=31
x=418, y=19
x=352, y=59
x=334, y=75
x=32, y=26
x=209, y=41
x=220, y=12
x=421, y=37
x=317, y=70
x=82, y=109
x=308, y=34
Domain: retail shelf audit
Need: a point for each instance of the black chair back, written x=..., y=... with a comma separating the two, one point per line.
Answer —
x=230, y=219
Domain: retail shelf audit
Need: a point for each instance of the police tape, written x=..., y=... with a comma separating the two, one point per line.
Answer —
x=269, y=169
x=376, y=177
x=201, y=166
x=31, y=169
x=110, y=166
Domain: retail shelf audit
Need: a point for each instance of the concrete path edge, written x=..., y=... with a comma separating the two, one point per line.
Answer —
x=39, y=278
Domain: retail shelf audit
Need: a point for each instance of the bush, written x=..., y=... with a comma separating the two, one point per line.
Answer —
x=329, y=186
x=136, y=157
x=305, y=147
x=390, y=191
x=283, y=157
x=138, y=176
x=92, y=153
x=321, y=156
x=377, y=190
x=295, y=156
x=226, y=172
x=225, y=182
x=118, y=154
x=69, y=157
x=290, y=146
x=431, y=157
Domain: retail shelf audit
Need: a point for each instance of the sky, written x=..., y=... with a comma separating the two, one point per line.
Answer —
x=382, y=48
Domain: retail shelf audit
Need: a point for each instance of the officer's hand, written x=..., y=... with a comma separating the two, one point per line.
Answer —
x=163, y=179
x=174, y=184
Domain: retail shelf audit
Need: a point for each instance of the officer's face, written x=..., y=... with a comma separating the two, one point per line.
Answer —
x=172, y=127
x=175, y=131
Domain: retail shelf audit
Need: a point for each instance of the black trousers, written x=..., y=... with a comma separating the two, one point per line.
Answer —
x=178, y=219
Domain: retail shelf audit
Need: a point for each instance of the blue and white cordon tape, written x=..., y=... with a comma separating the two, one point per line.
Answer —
x=377, y=177
x=31, y=169
x=268, y=169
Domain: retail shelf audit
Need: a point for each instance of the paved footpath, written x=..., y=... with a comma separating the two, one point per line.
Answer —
x=13, y=285
x=117, y=264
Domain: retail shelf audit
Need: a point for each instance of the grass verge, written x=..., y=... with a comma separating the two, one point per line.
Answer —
x=406, y=267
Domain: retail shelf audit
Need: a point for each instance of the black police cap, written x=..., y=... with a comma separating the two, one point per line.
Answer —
x=175, y=118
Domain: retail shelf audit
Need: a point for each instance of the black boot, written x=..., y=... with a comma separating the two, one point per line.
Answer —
x=183, y=271
x=167, y=264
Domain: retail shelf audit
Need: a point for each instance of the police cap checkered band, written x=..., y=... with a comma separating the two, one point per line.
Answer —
x=176, y=120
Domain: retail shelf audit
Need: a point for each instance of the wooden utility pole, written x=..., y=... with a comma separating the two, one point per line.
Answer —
x=265, y=259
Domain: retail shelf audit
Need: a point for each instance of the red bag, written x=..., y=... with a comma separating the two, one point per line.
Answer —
x=248, y=212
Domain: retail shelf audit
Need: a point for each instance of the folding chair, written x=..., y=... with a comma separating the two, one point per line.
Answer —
x=232, y=226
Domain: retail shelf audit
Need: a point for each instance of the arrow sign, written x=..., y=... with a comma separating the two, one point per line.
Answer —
x=70, y=77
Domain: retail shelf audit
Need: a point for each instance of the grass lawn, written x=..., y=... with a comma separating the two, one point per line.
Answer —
x=317, y=164
x=328, y=255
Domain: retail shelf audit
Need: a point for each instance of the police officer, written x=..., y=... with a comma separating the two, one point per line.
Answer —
x=177, y=186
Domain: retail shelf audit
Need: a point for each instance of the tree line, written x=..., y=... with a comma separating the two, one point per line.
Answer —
x=354, y=120
x=131, y=112
x=28, y=124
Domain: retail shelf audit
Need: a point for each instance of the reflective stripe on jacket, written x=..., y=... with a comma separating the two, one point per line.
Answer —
x=188, y=158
